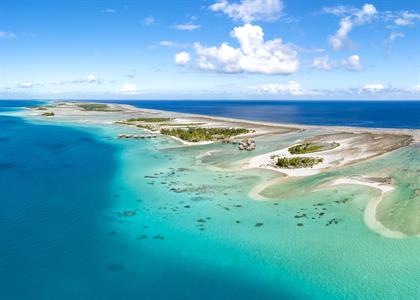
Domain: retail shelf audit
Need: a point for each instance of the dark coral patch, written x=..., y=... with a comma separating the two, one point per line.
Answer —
x=115, y=268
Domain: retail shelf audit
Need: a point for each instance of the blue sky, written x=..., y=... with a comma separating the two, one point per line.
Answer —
x=227, y=49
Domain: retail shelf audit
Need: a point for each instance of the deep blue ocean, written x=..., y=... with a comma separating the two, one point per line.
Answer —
x=48, y=207
x=384, y=114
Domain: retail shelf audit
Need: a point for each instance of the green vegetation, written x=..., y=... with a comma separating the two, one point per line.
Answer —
x=155, y=123
x=298, y=162
x=36, y=107
x=148, y=127
x=197, y=134
x=48, y=114
x=149, y=120
x=311, y=147
x=305, y=148
x=181, y=124
x=95, y=107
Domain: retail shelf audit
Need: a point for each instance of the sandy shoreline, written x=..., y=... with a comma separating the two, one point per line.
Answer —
x=369, y=215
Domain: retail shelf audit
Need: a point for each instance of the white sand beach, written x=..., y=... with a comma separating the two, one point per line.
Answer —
x=370, y=210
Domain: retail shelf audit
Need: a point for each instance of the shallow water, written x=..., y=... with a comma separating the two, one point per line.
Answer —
x=88, y=216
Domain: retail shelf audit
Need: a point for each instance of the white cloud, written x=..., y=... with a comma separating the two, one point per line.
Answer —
x=322, y=63
x=254, y=55
x=91, y=78
x=308, y=50
x=187, y=26
x=148, y=21
x=109, y=11
x=406, y=18
x=351, y=18
x=292, y=88
x=414, y=89
x=172, y=44
x=352, y=63
x=28, y=85
x=339, y=10
x=394, y=35
x=408, y=91
x=373, y=87
x=250, y=10
x=182, y=58
x=128, y=89
x=7, y=34
x=372, y=90
x=338, y=40
x=132, y=74
x=368, y=91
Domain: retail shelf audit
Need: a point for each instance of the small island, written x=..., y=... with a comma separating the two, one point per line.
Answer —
x=187, y=132
x=37, y=107
x=181, y=124
x=96, y=107
x=48, y=114
x=156, y=123
x=150, y=123
x=198, y=134
x=312, y=147
x=149, y=120
x=297, y=162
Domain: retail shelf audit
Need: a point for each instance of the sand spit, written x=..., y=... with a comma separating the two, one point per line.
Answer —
x=384, y=186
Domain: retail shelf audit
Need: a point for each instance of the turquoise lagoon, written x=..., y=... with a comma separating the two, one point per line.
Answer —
x=87, y=216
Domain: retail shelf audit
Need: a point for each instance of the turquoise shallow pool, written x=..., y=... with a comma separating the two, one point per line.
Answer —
x=87, y=216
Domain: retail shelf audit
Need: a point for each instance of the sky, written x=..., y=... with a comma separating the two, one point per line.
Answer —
x=210, y=49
